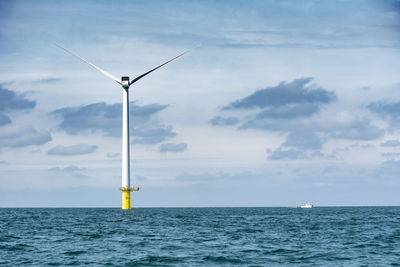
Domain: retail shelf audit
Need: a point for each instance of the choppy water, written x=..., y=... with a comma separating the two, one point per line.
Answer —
x=201, y=236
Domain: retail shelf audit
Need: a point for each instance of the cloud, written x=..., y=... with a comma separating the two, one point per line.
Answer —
x=390, y=155
x=292, y=154
x=107, y=118
x=298, y=145
x=286, y=154
x=290, y=108
x=48, y=80
x=22, y=137
x=152, y=133
x=390, y=168
x=390, y=111
x=9, y=100
x=79, y=149
x=221, y=121
x=304, y=140
x=289, y=111
x=171, y=147
x=93, y=117
x=113, y=155
x=140, y=178
x=220, y=176
x=144, y=113
x=278, y=104
x=365, y=146
x=293, y=93
x=385, y=108
x=357, y=130
x=4, y=119
x=270, y=124
x=73, y=170
x=355, y=145
x=391, y=143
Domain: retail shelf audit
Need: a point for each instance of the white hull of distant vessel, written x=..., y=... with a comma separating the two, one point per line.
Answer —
x=306, y=206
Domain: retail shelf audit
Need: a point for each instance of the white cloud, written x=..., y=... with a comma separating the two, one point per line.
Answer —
x=79, y=149
x=14, y=136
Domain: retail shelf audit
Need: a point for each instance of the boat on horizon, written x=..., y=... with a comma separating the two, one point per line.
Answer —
x=306, y=206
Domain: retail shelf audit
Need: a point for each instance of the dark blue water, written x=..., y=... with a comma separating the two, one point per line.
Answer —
x=353, y=236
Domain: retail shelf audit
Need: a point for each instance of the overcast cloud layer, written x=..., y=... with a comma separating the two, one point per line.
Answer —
x=105, y=118
x=284, y=102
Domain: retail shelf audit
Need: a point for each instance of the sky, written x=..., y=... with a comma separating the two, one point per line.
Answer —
x=284, y=102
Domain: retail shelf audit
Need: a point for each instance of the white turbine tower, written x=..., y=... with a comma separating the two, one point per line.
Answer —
x=125, y=83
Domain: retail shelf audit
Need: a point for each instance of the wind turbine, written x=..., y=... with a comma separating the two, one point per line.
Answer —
x=125, y=83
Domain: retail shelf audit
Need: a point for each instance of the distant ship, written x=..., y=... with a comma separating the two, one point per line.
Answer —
x=306, y=206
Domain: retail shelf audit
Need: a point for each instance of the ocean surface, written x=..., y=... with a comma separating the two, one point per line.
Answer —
x=334, y=236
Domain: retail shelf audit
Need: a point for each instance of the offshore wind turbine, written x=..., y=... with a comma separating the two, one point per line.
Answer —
x=125, y=83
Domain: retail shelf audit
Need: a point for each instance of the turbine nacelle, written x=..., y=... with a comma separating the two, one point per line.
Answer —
x=125, y=82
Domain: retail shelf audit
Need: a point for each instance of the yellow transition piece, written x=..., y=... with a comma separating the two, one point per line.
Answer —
x=126, y=197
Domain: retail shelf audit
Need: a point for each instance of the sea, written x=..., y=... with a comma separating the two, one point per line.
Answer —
x=321, y=236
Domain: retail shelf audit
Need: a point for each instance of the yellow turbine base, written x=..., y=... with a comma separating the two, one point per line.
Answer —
x=126, y=197
x=126, y=200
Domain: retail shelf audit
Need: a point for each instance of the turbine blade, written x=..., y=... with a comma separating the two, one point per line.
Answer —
x=144, y=74
x=91, y=64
